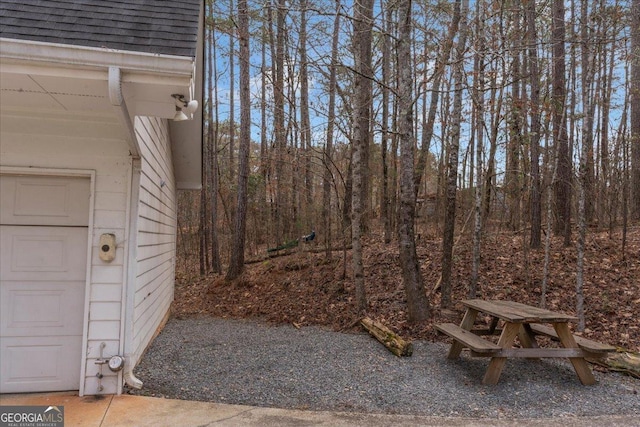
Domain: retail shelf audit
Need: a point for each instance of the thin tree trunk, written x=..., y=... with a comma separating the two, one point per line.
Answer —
x=478, y=88
x=265, y=163
x=513, y=181
x=634, y=89
x=438, y=72
x=214, y=118
x=236, y=264
x=305, y=120
x=328, y=149
x=536, y=208
x=385, y=212
x=278, y=121
x=452, y=162
x=232, y=97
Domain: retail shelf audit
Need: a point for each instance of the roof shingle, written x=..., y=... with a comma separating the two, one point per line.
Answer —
x=168, y=27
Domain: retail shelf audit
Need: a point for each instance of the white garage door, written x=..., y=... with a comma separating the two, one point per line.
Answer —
x=43, y=253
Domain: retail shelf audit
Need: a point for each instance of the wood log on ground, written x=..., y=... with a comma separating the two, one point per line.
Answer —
x=623, y=360
x=388, y=338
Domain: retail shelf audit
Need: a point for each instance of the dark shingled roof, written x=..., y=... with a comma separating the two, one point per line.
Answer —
x=168, y=27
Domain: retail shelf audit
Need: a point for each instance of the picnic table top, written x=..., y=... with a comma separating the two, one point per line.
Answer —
x=516, y=312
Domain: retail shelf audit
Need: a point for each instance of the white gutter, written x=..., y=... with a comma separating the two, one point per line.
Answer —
x=56, y=54
x=122, y=112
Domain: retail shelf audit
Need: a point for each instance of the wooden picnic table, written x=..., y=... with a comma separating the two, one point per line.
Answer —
x=525, y=322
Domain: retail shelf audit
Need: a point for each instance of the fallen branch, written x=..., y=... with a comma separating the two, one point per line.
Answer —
x=388, y=338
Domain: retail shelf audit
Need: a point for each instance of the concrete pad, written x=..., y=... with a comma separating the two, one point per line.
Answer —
x=127, y=410
x=140, y=411
x=88, y=411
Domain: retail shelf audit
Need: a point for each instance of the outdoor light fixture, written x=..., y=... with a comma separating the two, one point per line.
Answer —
x=190, y=106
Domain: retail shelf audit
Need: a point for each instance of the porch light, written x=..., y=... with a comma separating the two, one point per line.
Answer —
x=181, y=102
x=179, y=116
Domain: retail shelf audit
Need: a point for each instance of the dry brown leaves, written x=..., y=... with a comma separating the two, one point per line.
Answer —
x=304, y=288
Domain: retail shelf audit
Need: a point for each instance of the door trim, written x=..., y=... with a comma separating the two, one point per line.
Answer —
x=71, y=173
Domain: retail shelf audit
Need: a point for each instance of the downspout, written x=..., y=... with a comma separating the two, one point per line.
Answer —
x=126, y=317
x=122, y=112
x=128, y=292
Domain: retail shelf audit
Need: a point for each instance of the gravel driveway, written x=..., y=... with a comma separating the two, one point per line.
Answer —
x=251, y=363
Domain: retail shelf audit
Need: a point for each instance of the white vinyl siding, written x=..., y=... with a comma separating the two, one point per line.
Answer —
x=86, y=142
x=155, y=268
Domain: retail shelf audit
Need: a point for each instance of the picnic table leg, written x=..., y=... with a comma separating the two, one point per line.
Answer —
x=527, y=337
x=496, y=365
x=467, y=322
x=579, y=364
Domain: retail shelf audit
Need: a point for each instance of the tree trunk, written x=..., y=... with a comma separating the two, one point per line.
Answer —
x=536, y=206
x=478, y=89
x=236, y=264
x=513, y=182
x=438, y=72
x=417, y=304
x=232, y=98
x=328, y=149
x=362, y=26
x=278, y=121
x=214, y=118
x=452, y=162
x=305, y=124
x=635, y=109
x=385, y=211
x=563, y=183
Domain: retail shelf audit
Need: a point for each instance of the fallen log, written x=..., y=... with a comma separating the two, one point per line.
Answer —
x=625, y=361
x=388, y=338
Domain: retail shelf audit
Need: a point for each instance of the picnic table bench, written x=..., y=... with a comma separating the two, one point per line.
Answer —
x=525, y=322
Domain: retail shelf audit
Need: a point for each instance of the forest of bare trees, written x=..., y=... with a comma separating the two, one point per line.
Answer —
x=417, y=118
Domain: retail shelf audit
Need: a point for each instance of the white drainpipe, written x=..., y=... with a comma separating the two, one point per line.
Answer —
x=117, y=100
x=122, y=112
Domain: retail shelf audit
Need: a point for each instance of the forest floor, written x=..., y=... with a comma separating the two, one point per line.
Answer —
x=304, y=288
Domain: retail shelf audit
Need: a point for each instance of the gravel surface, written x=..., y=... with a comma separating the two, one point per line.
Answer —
x=251, y=363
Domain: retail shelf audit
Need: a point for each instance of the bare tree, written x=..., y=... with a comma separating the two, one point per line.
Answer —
x=417, y=304
x=236, y=264
x=534, y=134
x=213, y=135
x=516, y=121
x=438, y=72
x=328, y=149
x=278, y=119
x=385, y=203
x=478, y=94
x=635, y=109
x=452, y=161
x=362, y=29
x=304, y=117
x=232, y=94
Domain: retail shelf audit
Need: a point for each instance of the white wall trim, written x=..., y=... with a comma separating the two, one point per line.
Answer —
x=80, y=173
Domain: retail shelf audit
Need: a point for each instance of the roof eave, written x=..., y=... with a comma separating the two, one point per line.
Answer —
x=53, y=54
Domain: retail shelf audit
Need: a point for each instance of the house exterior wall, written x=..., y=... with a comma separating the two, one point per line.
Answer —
x=48, y=141
x=156, y=239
